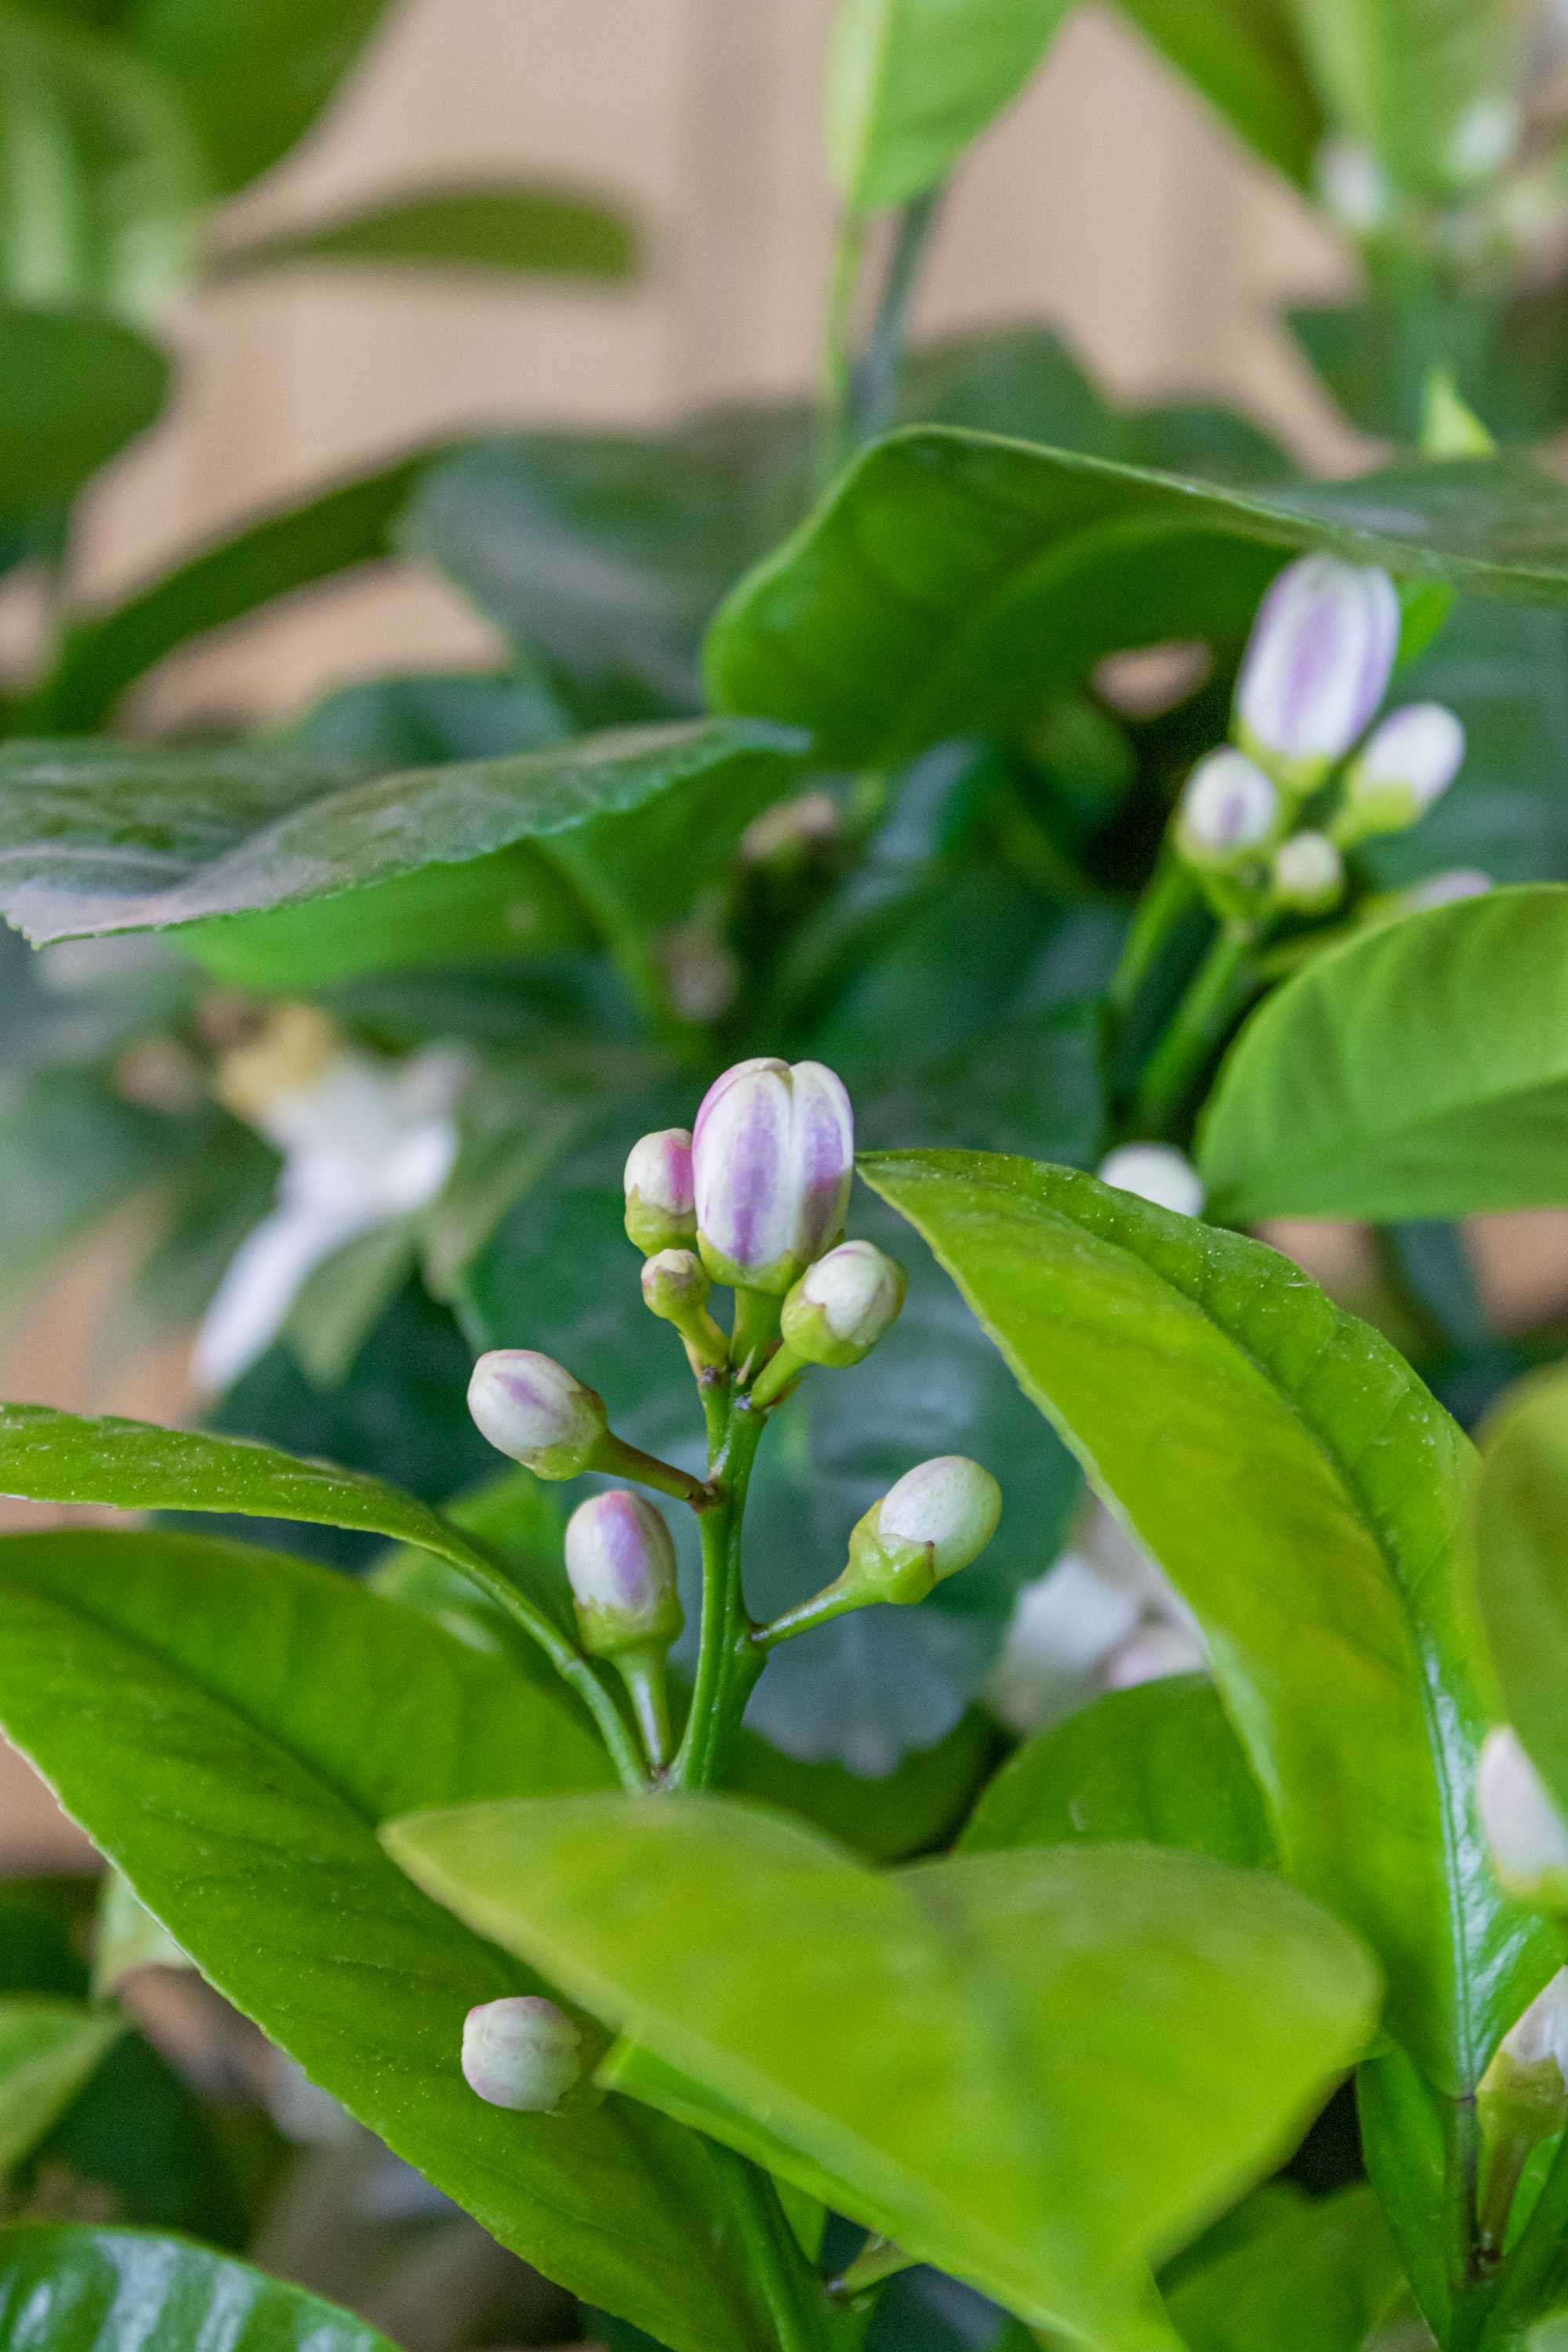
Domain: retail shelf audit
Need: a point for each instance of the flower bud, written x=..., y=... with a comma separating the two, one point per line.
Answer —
x=1407, y=763
x=1156, y=1172
x=1526, y=1834
x=620, y=1559
x=1227, y=808
x=1308, y=873
x=529, y=1407
x=773, y=1154
x=1316, y=667
x=521, y=2052
x=660, y=1209
x=841, y=1306
x=675, y=1284
x=937, y=1519
x=1526, y=2083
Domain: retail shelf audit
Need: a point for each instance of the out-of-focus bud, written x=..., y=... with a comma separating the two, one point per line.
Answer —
x=1521, y=2100
x=521, y=2052
x=661, y=1212
x=939, y=1518
x=532, y=1408
x=1484, y=138
x=841, y=1306
x=1156, y=1172
x=1228, y=809
x=1308, y=873
x=1317, y=665
x=1353, y=186
x=1152, y=1654
x=1408, y=762
x=621, y=1563
x=1446, y=889
x=773, y=1153
x=1526, y=1834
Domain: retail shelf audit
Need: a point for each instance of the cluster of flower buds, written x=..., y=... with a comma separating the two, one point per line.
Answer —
x=1315, y=673
x=522, y=2052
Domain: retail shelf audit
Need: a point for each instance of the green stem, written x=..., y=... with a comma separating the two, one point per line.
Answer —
x=1200, y=1022
x=837, y=355
x=756, y=1328
x=727, y=1662
x=617, y=1459
x=1162, y=907
x=874, y=390
x=1526, y=2279
x=790, y=2288
x=643, y=1672
x=834, y=1600
x=775, y=1377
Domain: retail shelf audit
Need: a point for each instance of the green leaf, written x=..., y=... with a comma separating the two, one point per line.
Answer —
x=1305, y=1494
x=1522, y=1563
x=254, y=73
x=951, y=582
x=295, y=548
x=70, y=1153
x=79, y=386
x=104, y=837
x=534, y=229
x=1506, y=356
x=47, y=2051
x=999, y=2054
x=912, y=82
x=1158, y=1765
x=1418, y=1071
x=1317, y=2281
x=66, y=2288
x=232, y=1726
x=1245, y=58
x=1407, y=76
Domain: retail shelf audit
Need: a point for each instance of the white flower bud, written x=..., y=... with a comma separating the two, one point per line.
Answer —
x=939, y=1518
x=521, y=2052
x=841, y=1306
x=532, y=1408
x=1353, y=186
x=1308, y=874
x=1446, y=889
x=773, y=1152
x=1227, y=809
x=1526, y=1832
x=1156, y=1172
x=1484, y=138
x=1522, y=2097
x=1407, y=764
x=661, y=1211
x=1316, y=667
x=620, y=1559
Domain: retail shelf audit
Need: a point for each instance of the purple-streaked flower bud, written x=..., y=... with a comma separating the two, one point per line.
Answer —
x=521, y=2052
x=772, y=1152
x=620, y=1561
x=1527, y=1834
x=1405, y=764
x=1317, y=665
x=1156, y=1172
x=1227, y=811
x=1308, y=873
x=661, y=1206
x=939, y=1518
x=531, y=1407
x=841, y=1306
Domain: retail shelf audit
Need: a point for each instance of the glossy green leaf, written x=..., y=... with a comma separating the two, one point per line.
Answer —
x=912, y=82
x=999, y=2054
x=47, y=2051
x=254, y=73
x=949, y=581
x=1521, y=1546
x=108, y=650
x=1418, y=1071
x=1408, y=77
x=1305, y=1494
x=79, y=386
x=104, y=837
x=67, y=2288
x=1317, y=2281
x=1246, y=59
x=542, y=231
x=231, y=1726
x=1157, y=1765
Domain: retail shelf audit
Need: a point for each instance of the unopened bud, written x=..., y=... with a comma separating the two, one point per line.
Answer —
x=1308, y=873
x=1521, y=2100
x=1156, y=1172
x=937, y=1519
x=521, y=2052
x=1316, y=667
x=1227, y=809
x=841, y=1306
x=1353, y=186
x=1407, y=763
x=1526, y=1834
x=674, y=1288
x=661, y=1206
x=772, y=1152
x=620, y=1561
x=532, y=1408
